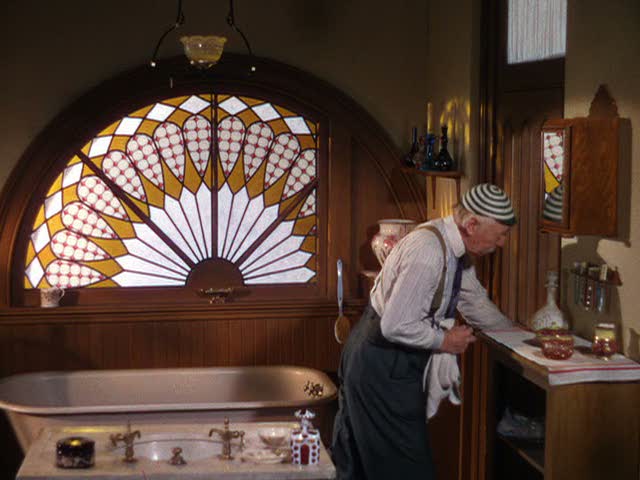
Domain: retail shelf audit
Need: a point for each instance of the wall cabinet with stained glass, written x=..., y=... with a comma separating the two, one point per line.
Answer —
x=579, y=162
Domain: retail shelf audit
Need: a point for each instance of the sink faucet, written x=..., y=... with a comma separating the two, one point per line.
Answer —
x=227, y=435
x=126, y=438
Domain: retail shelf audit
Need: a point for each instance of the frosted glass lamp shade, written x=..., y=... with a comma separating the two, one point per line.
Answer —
x=203, y=51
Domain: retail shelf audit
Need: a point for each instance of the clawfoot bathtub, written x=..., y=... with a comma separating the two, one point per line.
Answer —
x=163, y=396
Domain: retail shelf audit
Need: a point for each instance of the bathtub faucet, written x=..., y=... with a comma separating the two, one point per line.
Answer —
x=314, y=390
x=227, y=435
x=126, y=438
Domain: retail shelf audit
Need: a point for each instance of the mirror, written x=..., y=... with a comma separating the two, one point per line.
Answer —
x=555, y=159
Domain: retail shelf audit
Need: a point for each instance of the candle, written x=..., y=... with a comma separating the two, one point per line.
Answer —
x=429, y=116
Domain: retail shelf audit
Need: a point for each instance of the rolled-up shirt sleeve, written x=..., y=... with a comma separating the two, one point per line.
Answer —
x=476, y=307
x=409, y=283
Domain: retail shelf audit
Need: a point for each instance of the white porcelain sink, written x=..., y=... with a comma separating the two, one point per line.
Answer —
x=159, y=447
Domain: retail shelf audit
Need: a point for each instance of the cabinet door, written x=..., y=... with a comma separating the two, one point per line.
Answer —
x=555, y=163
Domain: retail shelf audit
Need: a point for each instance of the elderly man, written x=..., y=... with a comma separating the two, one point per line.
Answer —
x=395, y=360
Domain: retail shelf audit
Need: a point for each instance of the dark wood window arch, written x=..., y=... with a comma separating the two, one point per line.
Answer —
x=117, y=138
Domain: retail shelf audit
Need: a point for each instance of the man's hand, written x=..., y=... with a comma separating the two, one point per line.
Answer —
x=457, y=339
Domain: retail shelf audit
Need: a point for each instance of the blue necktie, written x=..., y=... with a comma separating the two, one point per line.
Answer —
x=455, y=291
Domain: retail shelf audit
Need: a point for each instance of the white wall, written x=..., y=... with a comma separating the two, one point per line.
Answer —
x=603, y=47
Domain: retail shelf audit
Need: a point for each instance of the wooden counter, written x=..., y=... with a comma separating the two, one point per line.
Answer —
x=592, y=430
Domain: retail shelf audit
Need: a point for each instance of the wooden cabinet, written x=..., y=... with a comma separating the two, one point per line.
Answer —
x=591, y=429
x=579, y=162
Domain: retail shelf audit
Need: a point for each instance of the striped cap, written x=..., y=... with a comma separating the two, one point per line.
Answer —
x=552, y=209
x=489, y=201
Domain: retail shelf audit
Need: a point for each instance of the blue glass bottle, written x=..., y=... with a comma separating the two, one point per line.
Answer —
x=429, y=158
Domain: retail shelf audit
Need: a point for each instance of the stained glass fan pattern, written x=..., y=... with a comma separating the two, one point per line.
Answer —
x=144, y=204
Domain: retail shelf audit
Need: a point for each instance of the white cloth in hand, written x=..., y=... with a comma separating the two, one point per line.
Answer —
x=442, y=376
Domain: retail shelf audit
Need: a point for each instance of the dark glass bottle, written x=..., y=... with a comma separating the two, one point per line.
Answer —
x=443, y=161
x=429, y=158
x=409, y=157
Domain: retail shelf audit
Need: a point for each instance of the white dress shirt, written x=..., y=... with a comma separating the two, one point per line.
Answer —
x=404, y=289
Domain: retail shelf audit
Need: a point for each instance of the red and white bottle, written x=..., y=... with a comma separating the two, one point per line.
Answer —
x=305, y=441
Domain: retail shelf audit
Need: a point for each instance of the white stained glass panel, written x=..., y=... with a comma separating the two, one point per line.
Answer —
x=537, y=30
x=266, y=112
x=128, y=126
x=160, y=112
x=297, y=125
x=238, y=208
x=233, y=105
x=281, y=232
x=289, y=246
x=299, y=275
x=147, y=236
x=34, y=272
x=297, y=259
x=71, y=175
x=99, y=146
x=203, y=200
x=141, y=249
x=40, y=237
x=132, y=279
x=163, y=221
x=131, y=263
x=268, y=216
x=194, y=104
x=181, y=228
x=256, y=206
x=190, y=209
x=224, y=210
x=53, y=204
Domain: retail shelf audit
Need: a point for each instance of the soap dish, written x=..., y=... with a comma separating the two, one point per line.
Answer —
x=262, y=456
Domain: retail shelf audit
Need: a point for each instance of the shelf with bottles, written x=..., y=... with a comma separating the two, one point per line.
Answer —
x=592, y=285
x=423, y=160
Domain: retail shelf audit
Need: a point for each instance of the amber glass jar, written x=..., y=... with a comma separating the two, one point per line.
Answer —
x=604, y=340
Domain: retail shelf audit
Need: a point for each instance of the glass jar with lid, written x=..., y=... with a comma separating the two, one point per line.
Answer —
x=604, y=340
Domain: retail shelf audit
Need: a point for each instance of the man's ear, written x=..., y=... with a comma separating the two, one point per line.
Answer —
x=472, y=225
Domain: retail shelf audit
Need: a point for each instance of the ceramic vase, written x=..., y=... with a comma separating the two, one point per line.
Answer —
x=391, y=231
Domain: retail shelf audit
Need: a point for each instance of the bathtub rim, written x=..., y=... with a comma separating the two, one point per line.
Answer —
x=165, y=407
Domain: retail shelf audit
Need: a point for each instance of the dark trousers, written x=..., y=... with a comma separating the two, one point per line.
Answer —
x=380, y=431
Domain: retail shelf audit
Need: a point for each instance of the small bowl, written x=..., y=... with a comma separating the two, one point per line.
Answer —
x=557, y=344
x=274, y=436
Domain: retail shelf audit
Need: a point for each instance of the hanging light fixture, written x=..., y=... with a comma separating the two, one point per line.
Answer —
x=203, y=51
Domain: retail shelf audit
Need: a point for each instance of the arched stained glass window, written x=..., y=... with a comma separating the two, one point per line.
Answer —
x=143, y=204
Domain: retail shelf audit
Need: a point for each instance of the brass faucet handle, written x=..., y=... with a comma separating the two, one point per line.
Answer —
x=115, y=438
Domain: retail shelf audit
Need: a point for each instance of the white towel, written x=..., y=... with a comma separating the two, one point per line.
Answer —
x=442, y=376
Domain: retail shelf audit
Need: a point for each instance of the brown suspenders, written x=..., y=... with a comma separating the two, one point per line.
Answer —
x=437, y=296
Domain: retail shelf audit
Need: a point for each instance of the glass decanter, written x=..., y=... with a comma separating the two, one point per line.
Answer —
x=550, y=316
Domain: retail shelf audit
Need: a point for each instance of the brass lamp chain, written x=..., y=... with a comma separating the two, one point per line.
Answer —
x=178, y=23
x=232, y=23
